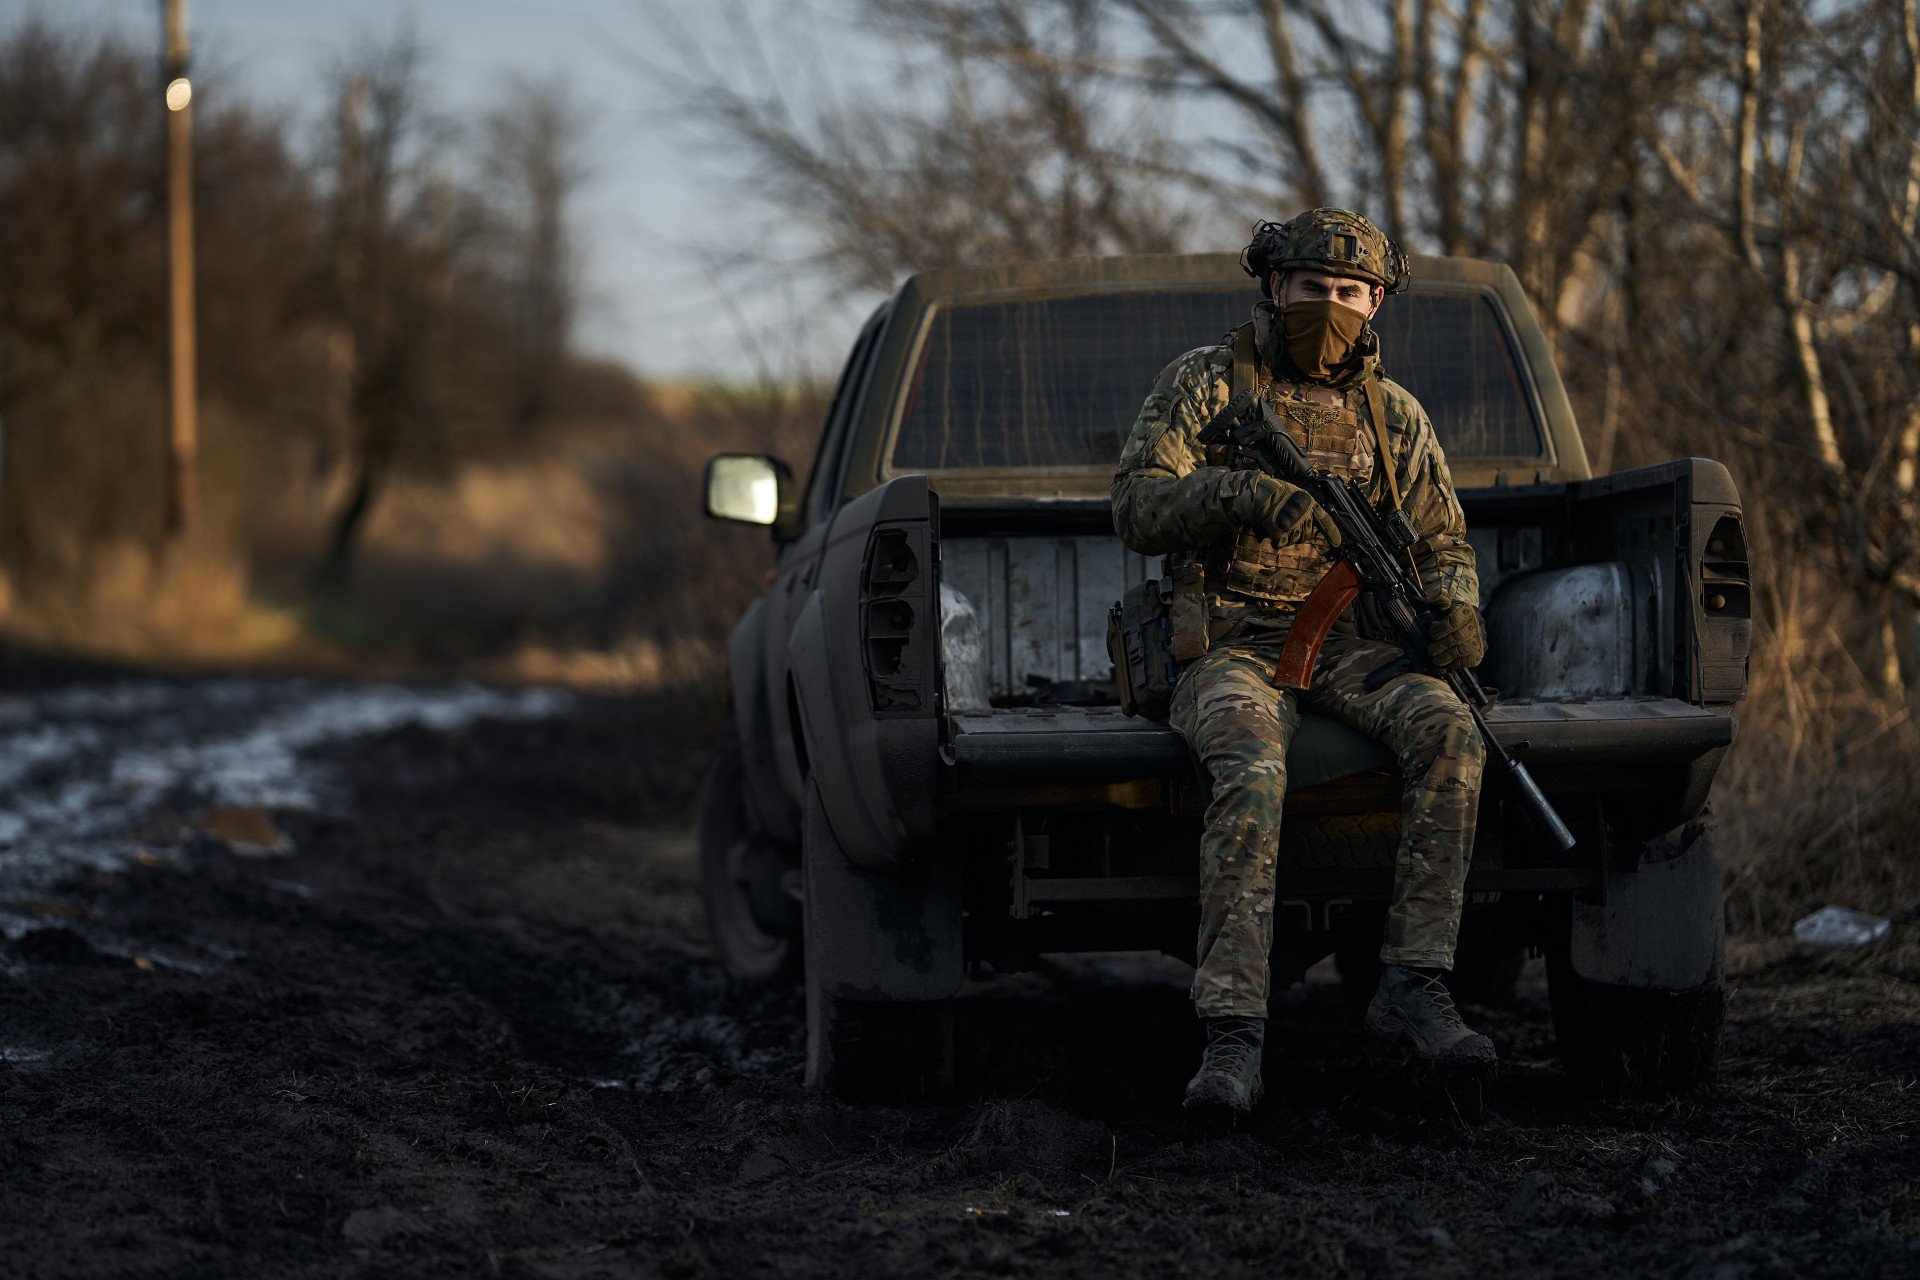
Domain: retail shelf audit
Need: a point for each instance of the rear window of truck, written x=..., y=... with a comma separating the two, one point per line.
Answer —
x=1057, y=382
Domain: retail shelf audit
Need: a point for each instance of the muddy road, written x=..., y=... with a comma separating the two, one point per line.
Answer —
x=303, y=980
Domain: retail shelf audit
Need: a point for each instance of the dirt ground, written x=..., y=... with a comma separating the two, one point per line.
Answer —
x=468, y=1026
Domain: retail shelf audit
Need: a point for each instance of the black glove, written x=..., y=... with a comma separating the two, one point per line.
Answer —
x=1456, y=639
x=1278, y=511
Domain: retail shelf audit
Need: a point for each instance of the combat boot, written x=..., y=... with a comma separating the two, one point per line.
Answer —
x=1413, y=1010
x=1228, y=1083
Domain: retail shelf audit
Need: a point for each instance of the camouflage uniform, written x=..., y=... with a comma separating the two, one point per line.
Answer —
x=1171, y=497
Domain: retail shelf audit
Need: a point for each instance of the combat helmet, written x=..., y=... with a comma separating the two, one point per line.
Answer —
x=1336, y=241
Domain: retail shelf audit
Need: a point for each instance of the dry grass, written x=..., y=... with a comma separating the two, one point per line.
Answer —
x=583, y=561
x=544, y=512
x=1819, y=799
x=635, y=665
x=84, y=567
x=190, y=604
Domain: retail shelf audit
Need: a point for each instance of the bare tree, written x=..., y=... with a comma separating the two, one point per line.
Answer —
x=1805, y=164
x=1006, y=151
x=82, y=301
x=534, y=164
x=389, y=257
x=1458, y=124
x=1714, y=206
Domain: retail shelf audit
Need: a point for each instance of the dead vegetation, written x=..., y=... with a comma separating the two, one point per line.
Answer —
x=404, y=461
x=1722, y=279
x=1714, y=208
x=1817, y=799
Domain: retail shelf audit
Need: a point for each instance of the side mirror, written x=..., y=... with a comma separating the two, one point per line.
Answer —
x=751, y=489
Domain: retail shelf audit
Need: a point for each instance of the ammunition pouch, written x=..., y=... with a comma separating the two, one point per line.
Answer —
x=1153, y=630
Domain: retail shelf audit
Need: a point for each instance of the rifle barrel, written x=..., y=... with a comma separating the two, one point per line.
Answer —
x=1536, y=800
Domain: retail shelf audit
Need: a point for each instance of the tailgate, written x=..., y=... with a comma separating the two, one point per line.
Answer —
x=1099, y=744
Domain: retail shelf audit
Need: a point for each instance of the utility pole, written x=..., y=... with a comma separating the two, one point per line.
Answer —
x=182, y=497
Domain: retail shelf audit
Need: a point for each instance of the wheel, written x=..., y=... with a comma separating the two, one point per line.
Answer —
x=744, y=876
x=1616, y=1039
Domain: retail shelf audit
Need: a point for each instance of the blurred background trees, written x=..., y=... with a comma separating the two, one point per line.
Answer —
x=389, y=383
x=534, y=164
x=1715, y=206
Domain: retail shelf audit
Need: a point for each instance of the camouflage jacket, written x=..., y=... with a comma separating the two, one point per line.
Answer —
x=1169, y=500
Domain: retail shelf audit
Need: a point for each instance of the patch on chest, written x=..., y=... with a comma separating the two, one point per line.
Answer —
x=1333, y=437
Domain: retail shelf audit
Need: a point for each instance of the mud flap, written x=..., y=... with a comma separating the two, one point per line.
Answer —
x=878, y=937
x=1660, y=926
x=883, y=961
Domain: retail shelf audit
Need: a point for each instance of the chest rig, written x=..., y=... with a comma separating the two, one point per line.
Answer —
x=1341, y=431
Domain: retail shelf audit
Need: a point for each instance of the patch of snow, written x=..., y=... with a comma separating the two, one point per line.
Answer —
x=83, y=768
x=23, y=753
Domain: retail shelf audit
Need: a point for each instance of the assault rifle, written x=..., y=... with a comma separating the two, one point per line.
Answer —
x=1373, y=554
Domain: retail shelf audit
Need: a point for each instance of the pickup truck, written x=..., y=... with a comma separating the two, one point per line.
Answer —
x=924, y=775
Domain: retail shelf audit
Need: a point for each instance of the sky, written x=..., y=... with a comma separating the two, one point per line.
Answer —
x=655, y=217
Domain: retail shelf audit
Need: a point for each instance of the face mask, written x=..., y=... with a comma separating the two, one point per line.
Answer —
x=1320, y=335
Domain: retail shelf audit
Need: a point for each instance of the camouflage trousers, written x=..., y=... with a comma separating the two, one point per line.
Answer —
x=1240, y=726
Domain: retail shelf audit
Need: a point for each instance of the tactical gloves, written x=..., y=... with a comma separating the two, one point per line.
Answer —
x=1276, y=510
x=1456, y=638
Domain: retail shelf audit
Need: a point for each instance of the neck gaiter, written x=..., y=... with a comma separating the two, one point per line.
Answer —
x=1320, y=335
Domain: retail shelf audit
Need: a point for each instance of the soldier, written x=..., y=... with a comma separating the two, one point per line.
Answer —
x=1261, y=545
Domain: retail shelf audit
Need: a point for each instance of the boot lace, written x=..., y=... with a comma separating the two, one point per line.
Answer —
x=1430, y=985
x=1233, y=1046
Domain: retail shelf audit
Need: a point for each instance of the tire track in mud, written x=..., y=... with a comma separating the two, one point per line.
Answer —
x=472, y=1029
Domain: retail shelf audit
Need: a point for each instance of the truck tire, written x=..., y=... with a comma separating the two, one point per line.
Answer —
x=883, y=963
x=754, y=921
x=1320, y=842
x=1617, y=1040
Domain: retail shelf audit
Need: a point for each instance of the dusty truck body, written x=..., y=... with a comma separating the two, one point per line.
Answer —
x=924, y=774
